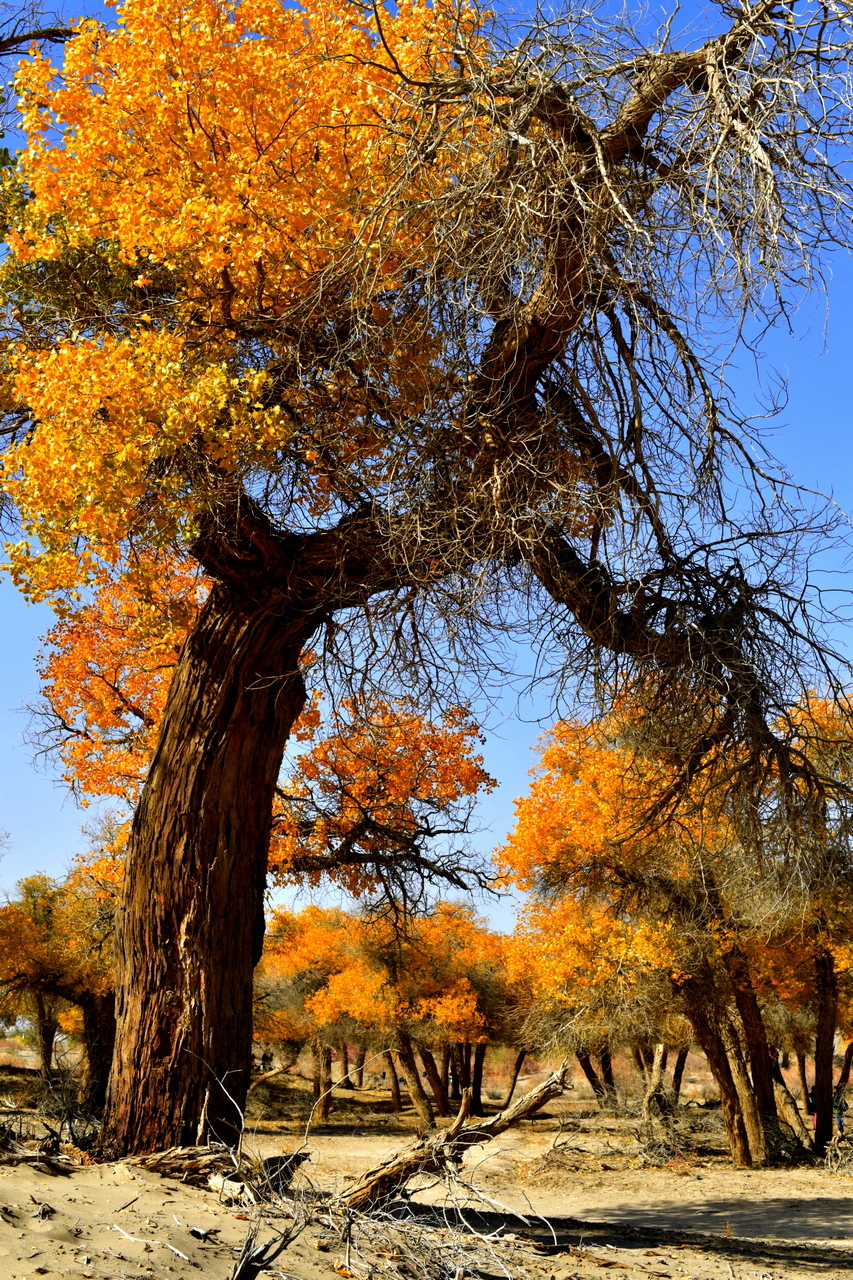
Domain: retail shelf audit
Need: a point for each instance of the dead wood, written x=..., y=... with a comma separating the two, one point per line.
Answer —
x=435, y=1152
x=188, y=1164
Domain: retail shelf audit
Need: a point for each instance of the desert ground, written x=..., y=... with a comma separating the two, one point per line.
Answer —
x=570, y=1193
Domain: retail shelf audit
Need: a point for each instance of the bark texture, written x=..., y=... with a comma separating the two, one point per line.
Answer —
x=190, y=926
x=826, y=990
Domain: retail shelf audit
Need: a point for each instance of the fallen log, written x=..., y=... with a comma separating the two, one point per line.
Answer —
x=436, y=1152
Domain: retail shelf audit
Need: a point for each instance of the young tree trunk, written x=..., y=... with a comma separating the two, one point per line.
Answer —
x=678, y=1072
x=640, y=1062
x=47, y=1025
x=393, y=1082
x=657, y=1103
x=435, y=1081
x=480, y=1051
x=844, y=1078
x=417, y=1092
x=360, y=1055
x=445, y=1069
x=826, y=990
x=322, y=1081
x=788, y=1110
x=516, y=1072
x=592, y=1075
x=345, y=1081
x=191, y=921
x=760, y=1059
x=99, y=1034
x=605, y=1059
x=804, y=1083
x=701, y=1009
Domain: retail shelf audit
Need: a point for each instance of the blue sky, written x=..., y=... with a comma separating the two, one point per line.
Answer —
x=812, y=438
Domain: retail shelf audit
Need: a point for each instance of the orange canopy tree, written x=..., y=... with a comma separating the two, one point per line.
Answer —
x=394, y=342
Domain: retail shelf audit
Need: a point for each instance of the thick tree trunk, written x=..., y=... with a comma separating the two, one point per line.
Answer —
x=826, y=990
x=657, y=1103
x=516, y=1072
x=393, y=1082
x=755, y=1129
x=789, y=1112
x=480, y=1051
x=701, y=1009
x=345, y=1081
x=444, y=1069
x=678, y=1072
x=435, y=1081
x=191, y=923
x=417, y=1092
x=99, y=1034
x=454, y=1092
x=844, y=1078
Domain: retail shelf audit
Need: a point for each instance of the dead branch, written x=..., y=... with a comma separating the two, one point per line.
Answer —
x=433, y=1153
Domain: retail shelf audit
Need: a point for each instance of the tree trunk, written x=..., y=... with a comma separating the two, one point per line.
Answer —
x=413, y=1079
x=47, y=1025
x=592, y=1075
x=99, y=1034
x=190, y=927
x=678, y=1072
x=844, y=1078
x=361, y=1054
x=345, y=1081
x=788, y=1110
x=760, y=1059
x=804, y=1083
x=640, y=1062
x=826, y=990
x=480, y=1051
x=322, y=1081
x=701, y=1009
x=455, y=1090
x=657, y=1103
x=435, y=1081
x=445, y=1069
x=393, y=1082
x=461, y=1065
x=516, y=1072
x=605, y=1059
x=755, y=1131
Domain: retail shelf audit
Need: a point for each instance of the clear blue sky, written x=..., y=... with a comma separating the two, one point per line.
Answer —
x=813, y=438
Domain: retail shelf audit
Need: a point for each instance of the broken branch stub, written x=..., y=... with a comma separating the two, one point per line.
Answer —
x=434, y=1153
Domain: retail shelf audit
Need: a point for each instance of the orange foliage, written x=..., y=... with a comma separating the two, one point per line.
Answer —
x=376, y=787
x=160, y=153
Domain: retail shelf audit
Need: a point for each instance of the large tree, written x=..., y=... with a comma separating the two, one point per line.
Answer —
x=408, y=333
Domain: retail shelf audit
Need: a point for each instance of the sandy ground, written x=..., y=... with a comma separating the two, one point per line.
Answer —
x=565, y=1197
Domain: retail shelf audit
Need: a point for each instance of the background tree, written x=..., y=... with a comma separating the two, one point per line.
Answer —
x=404, y=343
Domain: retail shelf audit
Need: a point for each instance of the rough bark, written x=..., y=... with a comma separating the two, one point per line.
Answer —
x=435, y=1082
x=191, y=920
x=417, y=1093
x=393, y=1082
x=480, y=1051
x=755, y=1130
x=516, y=1072
x=826, y=990
x=434, y=1153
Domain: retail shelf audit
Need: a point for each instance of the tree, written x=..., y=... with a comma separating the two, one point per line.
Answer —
x=399, y=356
